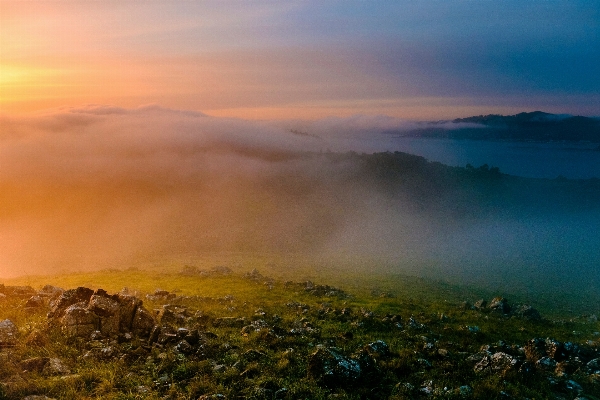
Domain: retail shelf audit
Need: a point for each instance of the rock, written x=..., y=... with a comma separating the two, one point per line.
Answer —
x=497, y=363
x=527, y=312
x=171, y=315
x=143, y=322
x=107, y=310
x=377, y=349
x=546, y=364
x=55, y=366
x=78, y=321
x=67, y=299
x=8, y=333
x=36, y=397
x=35, y=364
x=128, y=304
x=50, y=291
x=499, y=304
x=329, y=367
x=184, y=347
x=480, y=304
x=35, y=302
x=593, y=366
x=556, y=350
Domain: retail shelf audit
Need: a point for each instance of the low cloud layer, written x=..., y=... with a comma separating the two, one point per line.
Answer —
x=100, y=187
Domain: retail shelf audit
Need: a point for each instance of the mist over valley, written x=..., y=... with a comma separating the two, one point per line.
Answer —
x=100, y=187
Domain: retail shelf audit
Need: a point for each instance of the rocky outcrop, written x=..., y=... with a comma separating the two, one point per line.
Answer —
x=82, y=311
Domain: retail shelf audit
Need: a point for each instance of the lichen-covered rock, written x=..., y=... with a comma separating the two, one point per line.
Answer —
x=143, y=322
x=499, y=304
x=332, y=369
x=8, y=333
x=77, y=320
x=527, y=312
x=127, y=306
x=107, y=309
x=35, y=302
x=55, y=366
x=67, y=299
x=497, y=363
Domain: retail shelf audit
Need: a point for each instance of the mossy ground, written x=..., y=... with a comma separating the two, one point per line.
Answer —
x=157, y=373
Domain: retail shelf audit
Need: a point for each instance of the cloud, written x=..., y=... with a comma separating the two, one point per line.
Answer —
x=101, y=186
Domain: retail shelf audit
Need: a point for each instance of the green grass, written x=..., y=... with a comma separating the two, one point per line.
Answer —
x=159, y=373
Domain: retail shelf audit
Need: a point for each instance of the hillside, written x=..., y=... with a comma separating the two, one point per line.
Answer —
x=220, y=333
x=533, y=126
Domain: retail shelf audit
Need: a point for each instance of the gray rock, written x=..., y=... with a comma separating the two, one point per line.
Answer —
x=329, y=367
x=67, y=299
x=35, y=302
x=499, y=304
x=527, y=312
x=55, y=366
x=497, y=363
x=480, y=304
x=546, y=364
x=78, y=321
x=8, y=333
x=143, y=322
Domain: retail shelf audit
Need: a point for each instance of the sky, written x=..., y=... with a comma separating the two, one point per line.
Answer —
x=303, y=59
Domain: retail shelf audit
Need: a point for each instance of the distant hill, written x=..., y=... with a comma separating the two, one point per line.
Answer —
x=534, y=126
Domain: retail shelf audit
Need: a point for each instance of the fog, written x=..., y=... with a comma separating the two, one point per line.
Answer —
x=103, y=187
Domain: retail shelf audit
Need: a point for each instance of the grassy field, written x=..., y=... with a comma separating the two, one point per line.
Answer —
x=428, y=330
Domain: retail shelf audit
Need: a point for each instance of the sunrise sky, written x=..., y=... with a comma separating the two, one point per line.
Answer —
x=303, y=59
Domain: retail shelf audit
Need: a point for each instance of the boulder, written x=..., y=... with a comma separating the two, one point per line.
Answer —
x=142, y=323
x=527, y=312
x=330, y=368
x=497, y=363
x=8, y=333
x=127, y=306
x=480, y=304
x=499, y=304
x=77, y=320
x=67, y=299
x=107, y=309
x=55, y=366
x=35, y=302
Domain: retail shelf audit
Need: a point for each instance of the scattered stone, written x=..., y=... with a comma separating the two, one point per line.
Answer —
x=35, y=302
x=8, y=333
x=499, y=304
x=35, y=364
x=55, y=366
x=480, y=304
x=527, y=312
x=497, y=363
x=332, y=369
x=67, y=299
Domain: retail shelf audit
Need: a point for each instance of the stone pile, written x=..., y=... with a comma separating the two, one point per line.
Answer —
x=82, y=311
